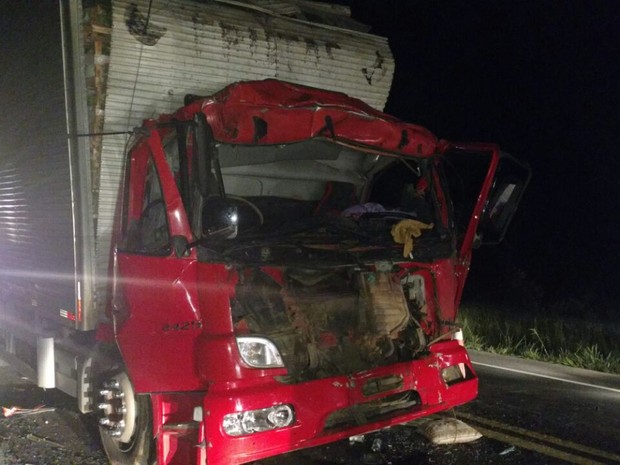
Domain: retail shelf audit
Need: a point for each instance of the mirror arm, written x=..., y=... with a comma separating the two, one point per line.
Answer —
x=181, y=246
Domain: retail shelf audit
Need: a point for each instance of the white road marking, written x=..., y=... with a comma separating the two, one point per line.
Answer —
x=555, y=378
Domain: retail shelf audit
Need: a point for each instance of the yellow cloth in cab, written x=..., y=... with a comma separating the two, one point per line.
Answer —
x=405, y=231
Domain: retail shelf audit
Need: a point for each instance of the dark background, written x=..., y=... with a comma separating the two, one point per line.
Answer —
x=542, y=79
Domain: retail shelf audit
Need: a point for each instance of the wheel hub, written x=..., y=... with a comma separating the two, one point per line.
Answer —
x=117, y=407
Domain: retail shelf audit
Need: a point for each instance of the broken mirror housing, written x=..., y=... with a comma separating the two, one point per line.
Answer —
x=256, y=421
x=259, y=352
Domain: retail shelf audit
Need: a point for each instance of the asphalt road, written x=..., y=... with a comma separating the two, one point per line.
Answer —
x=566, y=414
x=528, y=412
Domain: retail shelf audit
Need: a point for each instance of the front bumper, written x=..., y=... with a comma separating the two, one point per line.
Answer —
x=326, y=410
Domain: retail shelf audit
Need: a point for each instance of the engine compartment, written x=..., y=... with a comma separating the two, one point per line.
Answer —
x=337, y=321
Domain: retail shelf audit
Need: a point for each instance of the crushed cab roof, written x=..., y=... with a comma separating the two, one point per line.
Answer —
x=276, y=112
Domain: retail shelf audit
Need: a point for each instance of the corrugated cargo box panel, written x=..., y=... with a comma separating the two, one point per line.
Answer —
x=36, y=224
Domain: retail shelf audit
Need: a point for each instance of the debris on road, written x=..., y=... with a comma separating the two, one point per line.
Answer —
x=448, y=431
x=376, y=445
x=508, y=450
x=49, y=442
x=359, y=438
x=9, y=412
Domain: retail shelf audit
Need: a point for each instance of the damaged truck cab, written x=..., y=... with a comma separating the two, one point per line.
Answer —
x=287, y=269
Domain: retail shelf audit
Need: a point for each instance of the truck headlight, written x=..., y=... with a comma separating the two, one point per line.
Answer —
x=259, y=352
x=256, y=421
x=453, y=374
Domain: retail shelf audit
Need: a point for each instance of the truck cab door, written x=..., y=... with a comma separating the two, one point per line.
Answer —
x=484, y=187
x=154, y=299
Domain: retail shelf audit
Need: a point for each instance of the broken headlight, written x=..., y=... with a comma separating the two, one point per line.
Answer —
x=453, y=374
x=259, y=352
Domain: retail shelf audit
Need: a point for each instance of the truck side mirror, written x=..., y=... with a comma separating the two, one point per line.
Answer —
x=511, y=179
x=220, y=218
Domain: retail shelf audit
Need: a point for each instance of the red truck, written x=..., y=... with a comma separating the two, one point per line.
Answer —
x=285, y=268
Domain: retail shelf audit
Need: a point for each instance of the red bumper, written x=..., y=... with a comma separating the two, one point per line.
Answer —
x=326, y=410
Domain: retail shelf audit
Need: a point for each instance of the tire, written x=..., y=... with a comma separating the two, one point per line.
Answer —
x=125, y=422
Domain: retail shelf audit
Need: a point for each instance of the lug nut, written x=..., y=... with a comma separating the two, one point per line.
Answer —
x=113, y=407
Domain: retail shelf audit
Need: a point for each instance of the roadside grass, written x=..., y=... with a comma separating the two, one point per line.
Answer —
x=568, y=341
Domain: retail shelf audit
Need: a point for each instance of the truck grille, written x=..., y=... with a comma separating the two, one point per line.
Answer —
x=368, y=412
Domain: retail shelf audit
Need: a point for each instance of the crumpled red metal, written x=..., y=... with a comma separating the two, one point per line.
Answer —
x=276, y=112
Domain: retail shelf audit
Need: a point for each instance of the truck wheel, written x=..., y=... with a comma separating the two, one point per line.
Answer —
x=125, y=422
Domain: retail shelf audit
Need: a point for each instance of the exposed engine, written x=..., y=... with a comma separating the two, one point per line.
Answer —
x=332, y=322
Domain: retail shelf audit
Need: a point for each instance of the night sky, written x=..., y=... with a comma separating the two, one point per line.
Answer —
x=542, y=79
